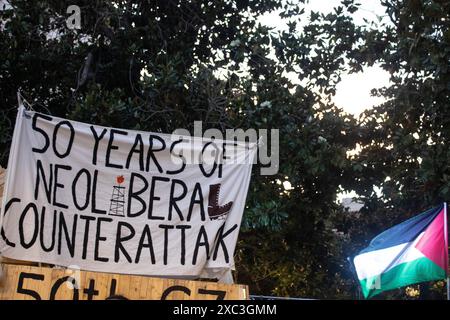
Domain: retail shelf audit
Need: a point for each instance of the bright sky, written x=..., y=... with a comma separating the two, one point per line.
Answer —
x=353, y=92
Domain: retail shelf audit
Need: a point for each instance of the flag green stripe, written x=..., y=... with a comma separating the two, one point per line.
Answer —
x=419, y=270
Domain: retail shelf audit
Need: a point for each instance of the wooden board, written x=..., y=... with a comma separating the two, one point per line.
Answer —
x=28, y=283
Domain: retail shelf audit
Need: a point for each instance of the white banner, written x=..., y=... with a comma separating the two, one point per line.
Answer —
x=123, y=201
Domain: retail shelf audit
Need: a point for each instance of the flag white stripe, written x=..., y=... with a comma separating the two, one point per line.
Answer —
x=373, y=263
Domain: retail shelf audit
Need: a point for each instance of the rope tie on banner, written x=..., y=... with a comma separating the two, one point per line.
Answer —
x=22, y=101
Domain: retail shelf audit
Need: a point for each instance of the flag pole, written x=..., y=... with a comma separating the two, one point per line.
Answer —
x=352, y=268
x=446, y=248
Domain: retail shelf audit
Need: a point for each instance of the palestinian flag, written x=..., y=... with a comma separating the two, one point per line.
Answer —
x=411, y=252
